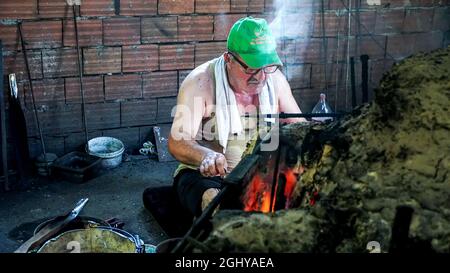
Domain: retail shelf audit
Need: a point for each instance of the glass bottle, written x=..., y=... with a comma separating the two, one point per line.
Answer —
x=322, y=107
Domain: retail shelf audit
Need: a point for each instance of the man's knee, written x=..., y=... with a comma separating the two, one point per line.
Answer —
x=208, y=196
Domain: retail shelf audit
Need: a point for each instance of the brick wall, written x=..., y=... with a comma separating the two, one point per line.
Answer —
x=135, y=54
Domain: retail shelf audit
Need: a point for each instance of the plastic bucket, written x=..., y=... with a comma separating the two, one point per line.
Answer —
x=108, y=148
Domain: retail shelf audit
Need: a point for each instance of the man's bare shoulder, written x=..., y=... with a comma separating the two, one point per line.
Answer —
x=198, y=82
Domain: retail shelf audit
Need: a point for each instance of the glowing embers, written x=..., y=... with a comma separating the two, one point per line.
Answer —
x=272, y=185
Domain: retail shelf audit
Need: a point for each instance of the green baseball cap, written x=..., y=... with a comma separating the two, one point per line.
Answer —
x=252, y=39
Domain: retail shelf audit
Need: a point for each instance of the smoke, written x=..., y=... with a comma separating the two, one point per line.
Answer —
x=293, y=19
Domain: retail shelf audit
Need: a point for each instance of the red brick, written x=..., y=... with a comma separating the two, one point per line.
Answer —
x=60, y=62
x=389, y=21
x=122, y=31
x=102, y=60
x=270, y=5
x=77, y=141
x=366, y=23
x=103, y=115
x=303, y=51
x=333, y=24
x=395, y=3
x=247, y=6
x=160, y=84
x=195, y=28
x=13, y=9
x=159, y=29
x=128, y=136
x=54, y=9
x=336, y=4
x=223, y=24
x=90, y=32
x=60, y=119
x=290, y=27
x=140, y=58
x=441, y=20
x=14, y=62
x=401, y=46
x=418, y=20
x=175, y=6
x=182, y=74
x=336, y=74
x=53, y=145
x=423, y=3
x=212, y=6
x=137, y=113
x=42, y=34
x=165, y=107
x=374, y=46
x=173, y=57
x=48, y=91
x=311, y=50
x=208, y=51
x=10, y=37
x=92, y=89
x=138, y=7
x=299, y=76
x=98, y=8
x=426, y=42
x=306, y=98
x=123, y=86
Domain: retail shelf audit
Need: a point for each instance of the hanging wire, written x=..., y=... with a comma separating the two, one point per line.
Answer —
x=338, y=13
x=368, y=32
x=324, y=47
x=347, y=77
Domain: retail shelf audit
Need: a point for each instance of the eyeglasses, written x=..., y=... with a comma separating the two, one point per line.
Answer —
x=267, y=69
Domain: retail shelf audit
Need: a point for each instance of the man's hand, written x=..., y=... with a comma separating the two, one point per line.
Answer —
x=214, y=164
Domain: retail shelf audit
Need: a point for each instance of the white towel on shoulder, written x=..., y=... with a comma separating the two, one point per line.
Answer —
x=227, y=114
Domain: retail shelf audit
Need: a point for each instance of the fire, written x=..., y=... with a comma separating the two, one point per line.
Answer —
x=257, y=197
x=258, y=194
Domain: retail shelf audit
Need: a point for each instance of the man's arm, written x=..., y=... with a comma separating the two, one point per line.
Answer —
x=286, y=100
x=182, y=145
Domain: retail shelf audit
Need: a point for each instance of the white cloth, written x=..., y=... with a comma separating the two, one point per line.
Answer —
x=227, y=114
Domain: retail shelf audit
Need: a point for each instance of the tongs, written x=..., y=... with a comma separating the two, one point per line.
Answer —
x=52, y=228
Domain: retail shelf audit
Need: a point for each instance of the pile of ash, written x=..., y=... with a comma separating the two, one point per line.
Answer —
x=379, y=174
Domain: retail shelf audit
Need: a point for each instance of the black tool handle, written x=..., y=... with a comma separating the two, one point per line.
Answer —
x=365, y=78
x=352, y=81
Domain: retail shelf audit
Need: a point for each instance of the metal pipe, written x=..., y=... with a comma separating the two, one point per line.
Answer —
x=32, y=93
x=296, y=115
x=83, y=110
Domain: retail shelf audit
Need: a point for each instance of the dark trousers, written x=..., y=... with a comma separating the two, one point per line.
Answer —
x=190, y=185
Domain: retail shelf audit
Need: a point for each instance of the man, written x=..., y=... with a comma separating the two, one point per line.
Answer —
x=210, y=131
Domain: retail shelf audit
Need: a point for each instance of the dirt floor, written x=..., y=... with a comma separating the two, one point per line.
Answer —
x=117, y=193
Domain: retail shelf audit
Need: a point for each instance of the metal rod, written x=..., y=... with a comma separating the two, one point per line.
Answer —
x=275, y=178
x=297, y=115
x=347, y=78
x=325, y=48
x=365, y=78
x=352, y=80
x=80, y=72
x=32, y=93
x=232, y=179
